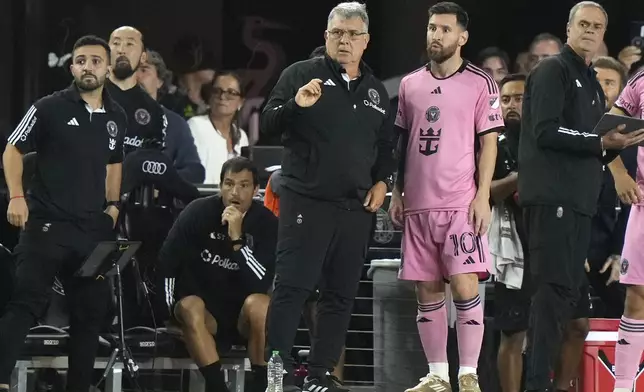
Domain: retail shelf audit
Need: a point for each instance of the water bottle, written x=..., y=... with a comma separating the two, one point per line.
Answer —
x=275, y=373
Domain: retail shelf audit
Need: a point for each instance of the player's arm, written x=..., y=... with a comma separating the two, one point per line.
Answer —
x=626, y=187
x=546, y=92
x=486, y=163
x=21, y=141
x=403, y=142
x=385, y=165
x=488, y=124
x=258, y=263
x=115, y=167
x=281, y=108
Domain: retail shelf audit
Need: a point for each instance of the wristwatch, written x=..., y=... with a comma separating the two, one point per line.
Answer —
x=114, y=203
x=389, y=181
x=239, y=241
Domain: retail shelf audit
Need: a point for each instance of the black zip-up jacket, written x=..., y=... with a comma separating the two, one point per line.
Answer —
x=560, y=159
x=199, y=251
x=337, y=149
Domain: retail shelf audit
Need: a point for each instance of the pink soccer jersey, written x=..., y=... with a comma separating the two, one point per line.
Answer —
x=631, y=101
x=443, y=118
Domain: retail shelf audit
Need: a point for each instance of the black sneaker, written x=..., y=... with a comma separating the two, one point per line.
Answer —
x=328, y=383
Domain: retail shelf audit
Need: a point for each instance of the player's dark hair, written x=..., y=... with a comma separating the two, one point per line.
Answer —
x=206, y=95
x=92, y=40
x=318, y=52
x=607, y=62
x=450, y=8
x=493, y=51
x=238, y=164
x=512, y=78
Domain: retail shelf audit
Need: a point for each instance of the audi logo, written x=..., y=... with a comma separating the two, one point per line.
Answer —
x=152, y=167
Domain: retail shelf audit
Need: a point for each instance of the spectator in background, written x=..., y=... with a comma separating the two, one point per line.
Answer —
x=629, y=56
x=611, y=75
x=542, y=46
x=195, y=66
x=217, y=134
x=602, y=52
x=320, y=51
x=608, y=226
x=521, y=63
x=154, y=77
x=495, y=62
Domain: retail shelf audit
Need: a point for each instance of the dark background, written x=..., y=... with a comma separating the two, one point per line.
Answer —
x=31, y=29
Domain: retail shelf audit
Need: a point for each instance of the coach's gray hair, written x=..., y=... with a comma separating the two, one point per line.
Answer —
x=351, y=9
x=583, y=4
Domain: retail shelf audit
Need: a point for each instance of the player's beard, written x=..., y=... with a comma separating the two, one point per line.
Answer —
x=89, y=82
x=122, y=68
x=442, y=55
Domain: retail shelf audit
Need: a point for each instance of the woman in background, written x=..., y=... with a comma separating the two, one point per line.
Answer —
x=217, y=134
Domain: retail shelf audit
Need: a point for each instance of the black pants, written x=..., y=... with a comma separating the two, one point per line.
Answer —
x=48, y=249
x=558, y=240
x=317, y=243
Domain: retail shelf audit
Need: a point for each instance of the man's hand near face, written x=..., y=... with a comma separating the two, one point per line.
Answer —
x=234, y=218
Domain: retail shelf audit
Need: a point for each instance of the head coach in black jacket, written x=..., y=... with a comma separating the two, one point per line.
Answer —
x=333, y=115
x=560, y=160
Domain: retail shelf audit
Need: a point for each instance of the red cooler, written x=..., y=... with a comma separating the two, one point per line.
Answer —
x=597, y=371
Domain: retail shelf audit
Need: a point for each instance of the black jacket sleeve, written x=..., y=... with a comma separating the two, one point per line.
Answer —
x=547, y=98
x=403, y=141
x=257, y=259
x=181, y=148
x=281, y=108
x=386, y=144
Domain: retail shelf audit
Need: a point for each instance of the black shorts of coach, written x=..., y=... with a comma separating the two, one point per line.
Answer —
x=319, y=245
x=225, y=311
x=48, y=249
x=558, y=240
x=512, y=306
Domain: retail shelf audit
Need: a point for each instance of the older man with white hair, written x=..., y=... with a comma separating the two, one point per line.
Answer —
x=332, y=114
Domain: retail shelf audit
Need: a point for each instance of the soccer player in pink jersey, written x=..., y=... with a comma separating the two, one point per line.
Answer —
x=442, y=196
x=630, y=340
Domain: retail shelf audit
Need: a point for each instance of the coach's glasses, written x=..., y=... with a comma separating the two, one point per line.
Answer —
x=353, y=35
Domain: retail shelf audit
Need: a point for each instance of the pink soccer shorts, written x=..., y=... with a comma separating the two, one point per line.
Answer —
x=439, y=244
x=632, y=268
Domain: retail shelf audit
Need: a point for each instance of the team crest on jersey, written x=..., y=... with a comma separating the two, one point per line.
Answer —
x=112, y=129
x=433, y=114
x=374, y=96
x=624, y=267
x=142, y=116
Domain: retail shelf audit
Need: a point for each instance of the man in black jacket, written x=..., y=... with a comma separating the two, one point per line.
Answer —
x=338, y=163
x=560, y=161
x=221, y=254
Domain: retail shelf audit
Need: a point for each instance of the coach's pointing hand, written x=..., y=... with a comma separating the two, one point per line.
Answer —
x=309, y=94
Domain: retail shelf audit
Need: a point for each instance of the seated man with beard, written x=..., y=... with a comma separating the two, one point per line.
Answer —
x=513, y=305
x=221, y=250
